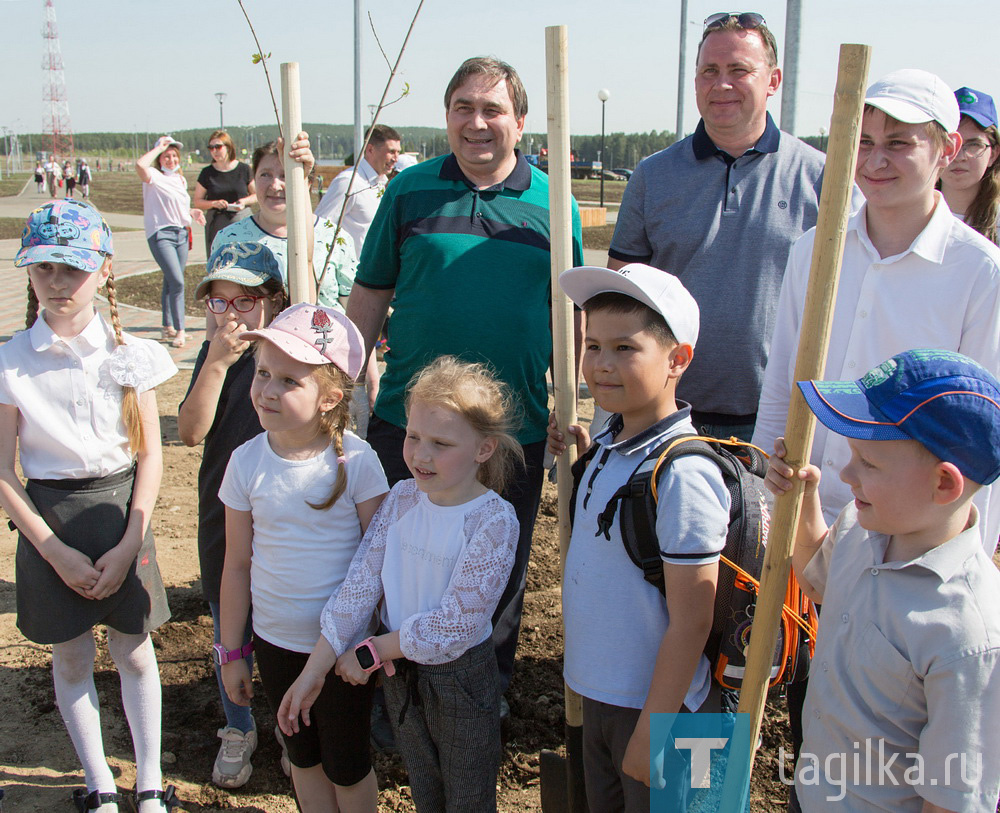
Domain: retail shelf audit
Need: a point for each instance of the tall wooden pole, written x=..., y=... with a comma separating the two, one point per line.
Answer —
x=563, y=364
x=828, y=252
x=301, y=286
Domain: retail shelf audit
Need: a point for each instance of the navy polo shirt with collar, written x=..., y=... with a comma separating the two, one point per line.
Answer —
x=470, y=271
x=724, y=225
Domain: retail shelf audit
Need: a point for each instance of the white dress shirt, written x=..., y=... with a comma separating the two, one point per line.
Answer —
x=942, y=292
x=366, y=192
x=70, y=424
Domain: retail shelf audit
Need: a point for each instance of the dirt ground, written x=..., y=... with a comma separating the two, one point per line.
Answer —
x=38, y=767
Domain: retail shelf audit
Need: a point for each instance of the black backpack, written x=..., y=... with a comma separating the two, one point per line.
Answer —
x=743, y=467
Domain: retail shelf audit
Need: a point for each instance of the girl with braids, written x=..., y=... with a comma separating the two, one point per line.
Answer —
x=971, y=183
x=298, y=498
x=432, y=567
x=242, y=291
x=77, y=402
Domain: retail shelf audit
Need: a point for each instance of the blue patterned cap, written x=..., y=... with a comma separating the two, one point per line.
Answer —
x=65, y=231
x=249, y=264
x=944, y=400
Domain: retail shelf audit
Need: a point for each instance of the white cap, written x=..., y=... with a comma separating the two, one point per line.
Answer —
x=913, y=97
x=661, y=291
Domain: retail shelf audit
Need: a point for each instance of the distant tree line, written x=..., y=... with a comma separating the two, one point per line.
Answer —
x=336, y=142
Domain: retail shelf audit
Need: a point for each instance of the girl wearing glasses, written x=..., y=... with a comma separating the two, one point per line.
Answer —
x=225, y=187
x=242, y=291
x=971, y=183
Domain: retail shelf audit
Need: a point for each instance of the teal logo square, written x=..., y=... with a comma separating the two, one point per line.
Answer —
x=700, y=763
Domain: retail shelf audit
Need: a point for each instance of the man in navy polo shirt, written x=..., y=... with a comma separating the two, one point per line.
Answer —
x=721, y=209
x=460, y=245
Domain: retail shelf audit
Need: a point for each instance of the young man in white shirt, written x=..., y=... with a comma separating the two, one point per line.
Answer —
x=913, y=275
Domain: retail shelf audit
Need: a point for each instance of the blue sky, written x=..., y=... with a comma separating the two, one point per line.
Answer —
x=138, y=64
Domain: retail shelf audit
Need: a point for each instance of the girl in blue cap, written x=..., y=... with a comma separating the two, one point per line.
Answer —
x=971, y=183
x=77, y=403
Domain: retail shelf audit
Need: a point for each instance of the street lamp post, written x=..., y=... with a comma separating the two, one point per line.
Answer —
x=221, y=98
x=603, y=94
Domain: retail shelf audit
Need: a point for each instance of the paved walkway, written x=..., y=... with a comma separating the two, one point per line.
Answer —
x=131, y=257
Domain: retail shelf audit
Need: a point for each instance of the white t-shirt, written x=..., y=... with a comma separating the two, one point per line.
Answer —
x=300, y=555
x=441, y=570
x=70, y=423
x=165, y=202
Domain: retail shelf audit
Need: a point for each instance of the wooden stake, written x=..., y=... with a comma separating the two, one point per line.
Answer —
x=828, y=253
x=301, y=286
x=563, y=357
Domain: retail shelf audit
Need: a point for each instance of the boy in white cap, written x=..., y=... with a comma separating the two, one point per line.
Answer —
x=913, y=275
x=629, y=653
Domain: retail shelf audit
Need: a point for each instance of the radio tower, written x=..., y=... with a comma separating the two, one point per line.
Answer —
x=56, y=121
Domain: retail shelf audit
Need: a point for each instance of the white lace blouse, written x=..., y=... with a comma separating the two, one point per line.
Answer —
x=440, y=569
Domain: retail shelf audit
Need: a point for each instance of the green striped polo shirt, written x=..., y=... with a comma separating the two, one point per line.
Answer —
x=470, y=269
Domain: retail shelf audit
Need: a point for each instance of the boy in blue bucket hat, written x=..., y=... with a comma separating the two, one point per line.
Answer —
x=904, y=692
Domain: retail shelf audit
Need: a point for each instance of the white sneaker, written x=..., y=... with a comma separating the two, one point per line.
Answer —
x=286, y=766
x=232, y=766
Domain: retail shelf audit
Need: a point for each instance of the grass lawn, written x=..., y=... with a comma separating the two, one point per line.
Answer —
x=12, y=183
x=11, y=227
x=598, y=237
x=591, y=190
x=121, y=192
x=143, y=290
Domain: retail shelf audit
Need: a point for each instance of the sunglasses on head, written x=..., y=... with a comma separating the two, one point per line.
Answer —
x=216, y=146
x=745, y=19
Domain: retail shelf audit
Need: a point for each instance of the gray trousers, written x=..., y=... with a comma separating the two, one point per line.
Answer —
x=449, y=736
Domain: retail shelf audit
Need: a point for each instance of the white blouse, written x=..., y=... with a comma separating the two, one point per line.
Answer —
x=441, y=569
x=70, y=423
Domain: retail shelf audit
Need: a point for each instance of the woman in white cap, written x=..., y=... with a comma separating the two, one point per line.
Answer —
x=167, y=213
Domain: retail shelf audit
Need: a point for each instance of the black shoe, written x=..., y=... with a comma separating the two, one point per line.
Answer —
x=91, y=801
x=382, y=737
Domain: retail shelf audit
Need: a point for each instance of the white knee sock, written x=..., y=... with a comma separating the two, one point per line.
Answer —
x=73, y=675
x=140, y=678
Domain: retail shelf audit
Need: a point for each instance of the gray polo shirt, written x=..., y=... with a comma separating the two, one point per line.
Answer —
x=904, y=689
x=724, y=226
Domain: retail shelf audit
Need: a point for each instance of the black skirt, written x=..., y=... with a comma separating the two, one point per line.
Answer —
x=90, y=516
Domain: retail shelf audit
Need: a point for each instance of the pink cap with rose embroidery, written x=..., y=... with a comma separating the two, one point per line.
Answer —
x=315, y=335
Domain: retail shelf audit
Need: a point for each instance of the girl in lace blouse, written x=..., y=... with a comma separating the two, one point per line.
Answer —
x=434, y=563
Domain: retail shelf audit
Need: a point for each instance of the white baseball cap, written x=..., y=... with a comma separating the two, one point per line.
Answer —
x=660, y=290
x=913, y=96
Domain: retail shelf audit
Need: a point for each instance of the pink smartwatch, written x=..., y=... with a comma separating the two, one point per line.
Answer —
x=369, y=660
x=222, y=656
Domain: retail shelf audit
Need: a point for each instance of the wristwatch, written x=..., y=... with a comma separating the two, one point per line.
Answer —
x=369, y=660
x=222, y=656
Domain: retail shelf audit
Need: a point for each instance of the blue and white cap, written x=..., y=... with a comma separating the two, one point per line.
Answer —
x=249, y=264
x=944, y=400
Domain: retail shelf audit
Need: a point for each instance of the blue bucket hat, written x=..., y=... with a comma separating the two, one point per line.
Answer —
x=978, y=106
x=65, y=231
x=249, y=264
x=944, y=400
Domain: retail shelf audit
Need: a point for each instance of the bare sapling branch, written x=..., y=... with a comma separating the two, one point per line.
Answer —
x=262, y=58
x=382, y=104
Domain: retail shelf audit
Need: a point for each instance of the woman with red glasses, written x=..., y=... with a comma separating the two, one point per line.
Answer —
x=971, y=183
x=225, y=190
